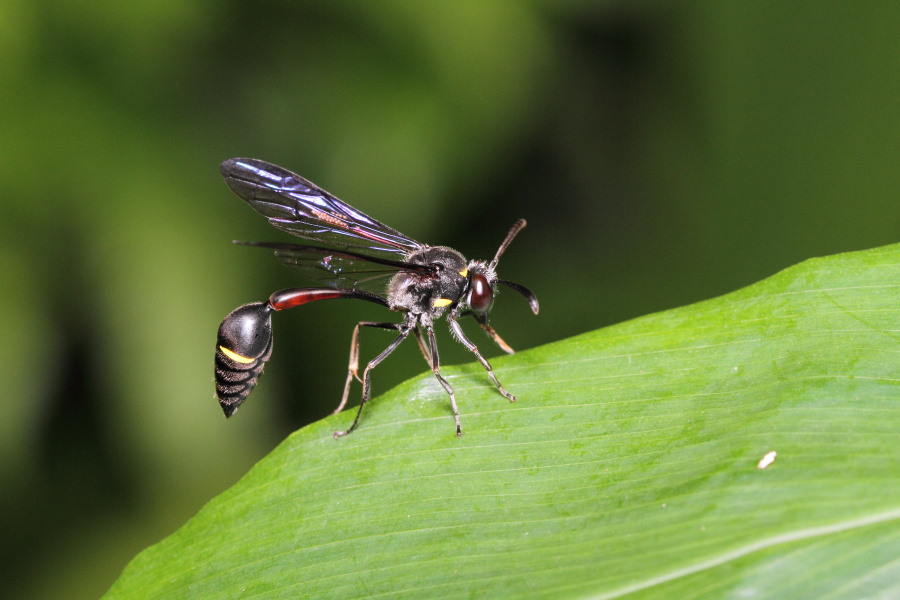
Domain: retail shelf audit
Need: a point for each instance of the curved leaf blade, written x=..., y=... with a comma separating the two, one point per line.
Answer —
x=627, y=468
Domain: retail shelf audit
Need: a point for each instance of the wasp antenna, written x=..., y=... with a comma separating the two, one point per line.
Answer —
x=529, y=295
x=517, y=226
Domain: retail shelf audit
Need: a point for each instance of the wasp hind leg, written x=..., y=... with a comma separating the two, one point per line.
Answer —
x=366, y=379
x=353, y=365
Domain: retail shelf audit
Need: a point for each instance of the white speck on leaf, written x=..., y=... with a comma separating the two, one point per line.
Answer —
x=767, y=460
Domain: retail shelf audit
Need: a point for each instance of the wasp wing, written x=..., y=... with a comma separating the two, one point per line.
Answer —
x=342, y=268
x=298, y=206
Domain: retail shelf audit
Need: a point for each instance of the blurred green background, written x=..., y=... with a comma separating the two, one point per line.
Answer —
x=662, y=153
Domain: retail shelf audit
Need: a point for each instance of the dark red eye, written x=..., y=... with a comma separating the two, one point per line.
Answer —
x=482, y=294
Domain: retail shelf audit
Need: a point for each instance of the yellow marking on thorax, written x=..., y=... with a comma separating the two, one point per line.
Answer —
x=441, y=302
x=236, y=357
x=464, y=273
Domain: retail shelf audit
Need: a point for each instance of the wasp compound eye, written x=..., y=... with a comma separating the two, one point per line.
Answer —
x=243, y=346
x=482, y=294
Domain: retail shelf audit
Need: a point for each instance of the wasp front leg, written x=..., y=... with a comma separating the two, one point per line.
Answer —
x=459, y=335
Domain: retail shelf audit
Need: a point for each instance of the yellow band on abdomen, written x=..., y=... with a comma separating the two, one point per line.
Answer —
x=236, y=357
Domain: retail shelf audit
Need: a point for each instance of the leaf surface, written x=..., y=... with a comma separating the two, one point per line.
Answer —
x=628, y=467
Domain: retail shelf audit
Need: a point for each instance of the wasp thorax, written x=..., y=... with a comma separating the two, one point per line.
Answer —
x=427, y=292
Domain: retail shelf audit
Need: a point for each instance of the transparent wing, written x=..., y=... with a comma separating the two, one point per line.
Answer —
x=300, y=207
x=342, y=268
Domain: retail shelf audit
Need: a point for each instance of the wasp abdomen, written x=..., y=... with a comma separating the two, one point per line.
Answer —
x=243, y=346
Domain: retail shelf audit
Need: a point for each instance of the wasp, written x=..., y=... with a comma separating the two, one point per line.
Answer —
x=357, y=258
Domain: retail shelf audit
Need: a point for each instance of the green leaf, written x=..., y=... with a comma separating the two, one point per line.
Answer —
x=629, y=465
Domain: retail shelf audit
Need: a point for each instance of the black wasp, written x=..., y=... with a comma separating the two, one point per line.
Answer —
x=357, y=256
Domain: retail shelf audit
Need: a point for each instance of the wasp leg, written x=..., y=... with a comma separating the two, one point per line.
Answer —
x=436, y=369
x=366, y=380
x=353, y=366
x=497, y=339
x=458, y=333
x=426, y=351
